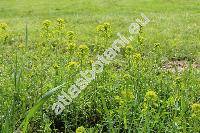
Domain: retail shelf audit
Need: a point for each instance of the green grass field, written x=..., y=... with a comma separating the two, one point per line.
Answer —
x=153, y=85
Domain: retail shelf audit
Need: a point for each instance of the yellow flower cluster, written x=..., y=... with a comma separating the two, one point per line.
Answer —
x=196, y=110
x=128, y=49
x=72, y=64
x=83, y=49
x=119, y=100
x=151, y=96
x=196, y=107
x=46, y=24
x=71, y=36
x=137, y=57
x=60, y=21
x=80, y=130
x=104, y=27
x=149, y=100
x=4, y=34
x=71, y=47
x=55, y=66
x=126, y=95
x=3, y=26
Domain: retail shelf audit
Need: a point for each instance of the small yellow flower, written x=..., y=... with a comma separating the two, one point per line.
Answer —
x=60, y=21
x=72, y=64
x=104, y=29
x=151, y=96
x=156, y=45
x=99, y=28
x=130, y=95
x=83, y=49
x=127, y=94
x=3, y=26
x=55, y=66
x=71, y=35
x=106, y=26
x=60, y=24
x=80, y=130
x=71, y=47
x=145, y=107
x=46, y=23
x=137, y=57
x=91, y=62
x=196, y=108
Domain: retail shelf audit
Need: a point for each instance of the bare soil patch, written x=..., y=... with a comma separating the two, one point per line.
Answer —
x=179, y=65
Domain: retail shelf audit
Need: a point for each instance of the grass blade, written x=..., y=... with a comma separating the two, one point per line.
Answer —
x=36, y=107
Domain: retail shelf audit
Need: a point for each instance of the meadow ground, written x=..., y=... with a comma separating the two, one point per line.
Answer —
x=153, y=85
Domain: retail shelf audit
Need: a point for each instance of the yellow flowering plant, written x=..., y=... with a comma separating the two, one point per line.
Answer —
x=104, y=33
x=4, y=34
x=80, y=130
x=196, y=110
x=72, y=64
x=83, y=50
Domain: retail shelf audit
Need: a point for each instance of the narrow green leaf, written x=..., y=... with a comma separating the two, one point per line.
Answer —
x=37, y=106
